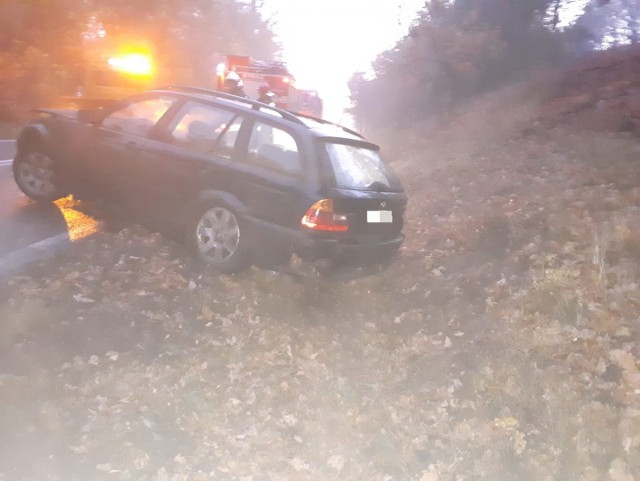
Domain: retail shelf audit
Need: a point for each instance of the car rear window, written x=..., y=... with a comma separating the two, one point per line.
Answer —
x=360, y=168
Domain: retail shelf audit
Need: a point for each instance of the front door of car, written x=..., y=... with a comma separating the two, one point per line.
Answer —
x=151, y=175
x=122, y=138
x=194, y=143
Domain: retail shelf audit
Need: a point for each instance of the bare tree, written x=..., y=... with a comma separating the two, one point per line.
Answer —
x=612, y=22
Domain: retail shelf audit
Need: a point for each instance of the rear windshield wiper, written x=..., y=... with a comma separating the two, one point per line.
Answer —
x=378, y=186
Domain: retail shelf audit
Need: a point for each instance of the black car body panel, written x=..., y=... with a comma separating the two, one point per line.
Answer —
x=266, y=166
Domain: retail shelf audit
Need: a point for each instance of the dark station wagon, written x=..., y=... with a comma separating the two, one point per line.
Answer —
x=242, y=182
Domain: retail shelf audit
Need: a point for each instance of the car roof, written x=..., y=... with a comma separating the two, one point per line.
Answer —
x=316, y=126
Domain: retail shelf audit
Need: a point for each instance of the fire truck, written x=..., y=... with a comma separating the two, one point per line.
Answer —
x=309, y=103
x=108, y=78
x=258, y=76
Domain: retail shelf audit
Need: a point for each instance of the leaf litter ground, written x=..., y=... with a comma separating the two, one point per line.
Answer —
x=502, y=343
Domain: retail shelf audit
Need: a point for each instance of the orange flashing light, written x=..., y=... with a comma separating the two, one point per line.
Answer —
x=321, y=217
x=136, y=64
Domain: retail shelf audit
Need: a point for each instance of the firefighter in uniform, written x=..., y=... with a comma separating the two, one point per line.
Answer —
x=266, y=95
x=233, y=85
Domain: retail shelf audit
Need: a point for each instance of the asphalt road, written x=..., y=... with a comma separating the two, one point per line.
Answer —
x=28, y=230
x=7, y=151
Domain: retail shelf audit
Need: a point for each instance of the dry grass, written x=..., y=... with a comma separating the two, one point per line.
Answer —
x=503, y=344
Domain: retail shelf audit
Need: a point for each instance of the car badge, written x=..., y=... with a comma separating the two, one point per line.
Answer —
x=383, y=204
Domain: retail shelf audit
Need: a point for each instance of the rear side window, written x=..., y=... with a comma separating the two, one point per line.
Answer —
x=138, y=118
x=205, y=128
x=360, y=168
x=274, y=149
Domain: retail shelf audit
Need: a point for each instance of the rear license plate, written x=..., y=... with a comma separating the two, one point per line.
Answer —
x=379, y=217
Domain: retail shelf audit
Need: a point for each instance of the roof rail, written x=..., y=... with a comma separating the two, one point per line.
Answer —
x=285, y=114
x=326, y=122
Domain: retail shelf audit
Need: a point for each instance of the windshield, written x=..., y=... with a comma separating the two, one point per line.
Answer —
x=360, y=168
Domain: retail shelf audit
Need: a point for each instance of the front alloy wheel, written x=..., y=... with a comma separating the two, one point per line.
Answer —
x=219, y=240
x=35, y=173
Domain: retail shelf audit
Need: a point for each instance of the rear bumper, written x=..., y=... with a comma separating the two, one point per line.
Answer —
x=358, y=254
x=270, y=239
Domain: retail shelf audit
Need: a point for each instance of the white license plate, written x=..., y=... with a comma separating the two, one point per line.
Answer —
x=379, y=217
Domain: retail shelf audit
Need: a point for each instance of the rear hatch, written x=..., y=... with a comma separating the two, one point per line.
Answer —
x=364, y=188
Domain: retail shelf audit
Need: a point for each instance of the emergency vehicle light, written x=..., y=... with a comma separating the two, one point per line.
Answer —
x=133, y=64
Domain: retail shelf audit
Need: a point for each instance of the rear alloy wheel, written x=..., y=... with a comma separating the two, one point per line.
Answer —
x=35, y=174
x=220, y=240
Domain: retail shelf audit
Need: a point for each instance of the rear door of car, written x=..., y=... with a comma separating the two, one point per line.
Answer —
x=268, y=175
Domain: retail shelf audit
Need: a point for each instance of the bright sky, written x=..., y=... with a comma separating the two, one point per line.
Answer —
x=325, y=41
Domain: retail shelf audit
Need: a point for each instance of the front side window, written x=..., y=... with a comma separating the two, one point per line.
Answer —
x=207, y=129
x=274, y=149
x=138, y=118
x=360, y=168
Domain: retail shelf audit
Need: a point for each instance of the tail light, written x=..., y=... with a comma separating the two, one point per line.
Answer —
x=321, y=217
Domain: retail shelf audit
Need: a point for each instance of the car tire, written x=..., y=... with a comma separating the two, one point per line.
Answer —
x=219, y=238
x=36, y=174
